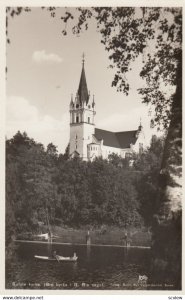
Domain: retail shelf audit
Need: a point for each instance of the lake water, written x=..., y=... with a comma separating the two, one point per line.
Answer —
x=98, y=267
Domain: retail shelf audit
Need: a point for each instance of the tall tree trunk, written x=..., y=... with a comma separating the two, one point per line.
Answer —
x=171, y=171
x=167, y=228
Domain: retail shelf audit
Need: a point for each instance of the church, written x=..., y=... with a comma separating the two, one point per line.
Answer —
x=87, y=141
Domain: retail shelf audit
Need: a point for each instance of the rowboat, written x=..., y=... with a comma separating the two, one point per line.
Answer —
x=57, y=257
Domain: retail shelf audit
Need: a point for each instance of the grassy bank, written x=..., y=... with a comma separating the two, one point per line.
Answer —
x=104, y=236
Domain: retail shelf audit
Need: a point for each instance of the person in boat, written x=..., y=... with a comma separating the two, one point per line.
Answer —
x=54, y=254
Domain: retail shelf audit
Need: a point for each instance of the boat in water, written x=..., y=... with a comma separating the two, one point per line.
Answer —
x=57, y=258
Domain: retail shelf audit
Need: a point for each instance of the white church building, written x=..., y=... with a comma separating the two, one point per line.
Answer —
x=87, y=141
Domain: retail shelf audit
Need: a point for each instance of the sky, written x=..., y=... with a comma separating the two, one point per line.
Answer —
x=44, y=69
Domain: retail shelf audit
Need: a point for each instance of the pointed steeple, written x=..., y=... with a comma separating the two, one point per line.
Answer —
x=140, y=126
x=71, y=103
x=93, y=102
x=82, y=89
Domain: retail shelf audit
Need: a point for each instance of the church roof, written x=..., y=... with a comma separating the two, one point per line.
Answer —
x=82, y=89
x=116, y=139
x=109, y=138
x=126, y=138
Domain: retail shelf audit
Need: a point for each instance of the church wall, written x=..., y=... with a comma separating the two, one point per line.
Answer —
x=106, y=151
x=88, y=116
x=140, y=143
x=80, y=137
x=76, y=138
x=96, y=150
x=88, y=131
x=125, y=151
x=93, y=150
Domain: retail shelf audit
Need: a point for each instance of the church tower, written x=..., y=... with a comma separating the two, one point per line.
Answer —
x=82, y=112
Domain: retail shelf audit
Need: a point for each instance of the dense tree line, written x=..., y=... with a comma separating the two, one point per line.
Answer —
x=74, y=192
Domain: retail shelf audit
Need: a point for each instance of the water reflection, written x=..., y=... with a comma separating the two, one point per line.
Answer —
x=97, y=267
x=88, y=253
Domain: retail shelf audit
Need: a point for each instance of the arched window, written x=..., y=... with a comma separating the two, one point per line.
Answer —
x=77, y=119
x=88, y=119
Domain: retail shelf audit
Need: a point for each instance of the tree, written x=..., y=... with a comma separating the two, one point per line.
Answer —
x=150, y=159
x=30, y=184
x=52, y=150
x=148, y=189
x=66, y=154
x=118, y=161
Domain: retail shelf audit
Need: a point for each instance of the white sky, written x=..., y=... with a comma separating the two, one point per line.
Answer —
x=44, y=68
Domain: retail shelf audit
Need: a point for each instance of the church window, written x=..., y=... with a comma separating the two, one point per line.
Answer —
x=88, y=119
x=76, y=137
x=128, y=155
x=89, y=106
x=77, y=119
x=76, y=146
x=77, y=106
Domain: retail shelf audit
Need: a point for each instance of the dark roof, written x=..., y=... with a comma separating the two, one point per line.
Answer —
x=82, y=89
x=109, y=138
x=116, y=139
x=125, y=138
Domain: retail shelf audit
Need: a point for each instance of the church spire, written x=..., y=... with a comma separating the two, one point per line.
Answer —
x=140, y=126
x=82, y=89
x=83, y=59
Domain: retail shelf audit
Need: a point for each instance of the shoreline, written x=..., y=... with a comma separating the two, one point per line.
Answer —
x=104, y=236
x=78, y=244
